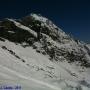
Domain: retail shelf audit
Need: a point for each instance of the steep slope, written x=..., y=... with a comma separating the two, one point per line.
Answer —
x=34, y=50
x=56, y=42
x=26, y=65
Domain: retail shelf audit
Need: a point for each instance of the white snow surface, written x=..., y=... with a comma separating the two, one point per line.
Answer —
x=38, y=72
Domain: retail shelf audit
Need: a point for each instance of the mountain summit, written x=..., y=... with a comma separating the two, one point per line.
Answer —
x=34, y=49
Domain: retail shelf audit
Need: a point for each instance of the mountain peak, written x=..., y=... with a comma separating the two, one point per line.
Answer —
x=39, y=17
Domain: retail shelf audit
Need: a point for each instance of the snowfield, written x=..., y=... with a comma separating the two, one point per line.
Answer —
x=37, y=72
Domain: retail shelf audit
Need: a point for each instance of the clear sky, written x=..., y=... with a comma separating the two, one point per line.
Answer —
x=73, y=16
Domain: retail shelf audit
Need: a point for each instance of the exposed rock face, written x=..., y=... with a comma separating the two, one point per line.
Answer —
x=46, y=38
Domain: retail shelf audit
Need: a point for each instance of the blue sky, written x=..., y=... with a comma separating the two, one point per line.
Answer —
x=73, y=16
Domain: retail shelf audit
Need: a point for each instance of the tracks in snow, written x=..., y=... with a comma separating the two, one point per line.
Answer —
x=29, y=78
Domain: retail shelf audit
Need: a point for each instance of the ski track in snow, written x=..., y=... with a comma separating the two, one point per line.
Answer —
x=29, y=78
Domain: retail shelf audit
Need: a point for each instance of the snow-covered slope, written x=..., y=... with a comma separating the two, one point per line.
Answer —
x=37, y=69
x=37, y=55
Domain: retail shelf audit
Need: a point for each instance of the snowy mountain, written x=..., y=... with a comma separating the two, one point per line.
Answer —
x=38, y=55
